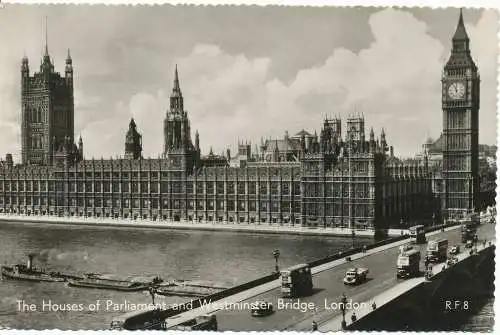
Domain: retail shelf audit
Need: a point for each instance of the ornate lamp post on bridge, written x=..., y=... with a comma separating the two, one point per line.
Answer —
x=276, y=255
x=343, y=302
x=152, y=293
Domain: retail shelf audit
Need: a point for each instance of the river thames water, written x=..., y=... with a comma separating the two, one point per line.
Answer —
x=224, y=257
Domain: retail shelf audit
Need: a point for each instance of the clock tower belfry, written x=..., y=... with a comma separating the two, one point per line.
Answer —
x=460, y=104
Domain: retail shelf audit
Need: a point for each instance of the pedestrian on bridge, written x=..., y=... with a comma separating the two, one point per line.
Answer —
x=314, y=326
x=353, y=317
x=374, y=305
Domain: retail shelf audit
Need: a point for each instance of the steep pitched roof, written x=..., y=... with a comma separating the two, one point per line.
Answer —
x=437, y=146
x=460, y=33
x=302, y=132
x=283, y=145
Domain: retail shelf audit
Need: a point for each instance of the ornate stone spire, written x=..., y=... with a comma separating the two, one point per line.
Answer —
x=460, y=33
x=176, y=100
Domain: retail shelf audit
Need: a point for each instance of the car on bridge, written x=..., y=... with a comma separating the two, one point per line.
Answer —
x=452, y=261
x=454, y=250
x=355, y=276
x=202, y=322
x=262, y=308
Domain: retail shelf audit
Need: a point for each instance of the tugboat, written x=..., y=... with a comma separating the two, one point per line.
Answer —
x=30, y=273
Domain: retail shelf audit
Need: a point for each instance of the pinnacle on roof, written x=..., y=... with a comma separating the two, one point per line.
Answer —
x=276, y=145
x=176, y=90
x=176, y=79
x=460, y=33
x=132, y=123
x=46, y=40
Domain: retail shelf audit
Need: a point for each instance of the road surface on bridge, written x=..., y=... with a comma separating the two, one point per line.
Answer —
x=394, y=292
x=328, y=288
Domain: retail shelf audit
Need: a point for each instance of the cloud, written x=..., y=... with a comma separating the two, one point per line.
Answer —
x=394, y=81
x=233, y=97
x=484, y=49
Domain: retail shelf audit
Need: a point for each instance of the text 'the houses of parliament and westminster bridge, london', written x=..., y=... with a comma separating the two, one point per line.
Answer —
x=337, y=178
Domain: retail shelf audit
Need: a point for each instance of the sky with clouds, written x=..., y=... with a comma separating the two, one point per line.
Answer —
x=245, y=72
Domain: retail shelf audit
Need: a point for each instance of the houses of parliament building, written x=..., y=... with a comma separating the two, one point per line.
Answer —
x=337, y=178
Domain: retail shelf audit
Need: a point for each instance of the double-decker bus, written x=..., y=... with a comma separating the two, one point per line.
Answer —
x=417, y=234
x=151, y=319
x=296, y=281
x=469, y=226
x=437, y=250
x=408, y=264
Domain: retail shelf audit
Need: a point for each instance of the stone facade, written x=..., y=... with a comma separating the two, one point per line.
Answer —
x=460, y=103
x=333, y=179
x=322, y=181
x=47, y=110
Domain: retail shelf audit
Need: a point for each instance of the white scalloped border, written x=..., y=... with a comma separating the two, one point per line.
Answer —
x=318, y=3
x=491, y=4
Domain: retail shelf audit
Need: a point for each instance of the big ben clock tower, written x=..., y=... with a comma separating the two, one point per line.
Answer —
x=460, y=103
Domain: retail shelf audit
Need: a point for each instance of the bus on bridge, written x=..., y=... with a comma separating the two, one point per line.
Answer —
x=417, y=234
x=437, y=250
x=296, y=281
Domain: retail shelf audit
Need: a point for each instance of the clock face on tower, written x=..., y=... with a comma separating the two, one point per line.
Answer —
x=456, y=90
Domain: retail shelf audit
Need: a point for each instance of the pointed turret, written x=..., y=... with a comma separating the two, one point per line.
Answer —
x=383, y=141
x=176, y=100
x=80, y=146
x=133, y=142
x=197, y=141
x=460, y=52
x=25, y=70
x=69, y=62
x=176, y=81
x=69, y=69
x=460, y=32
x=46, y=66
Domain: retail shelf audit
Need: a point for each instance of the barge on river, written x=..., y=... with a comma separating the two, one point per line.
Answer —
x=109, y=284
